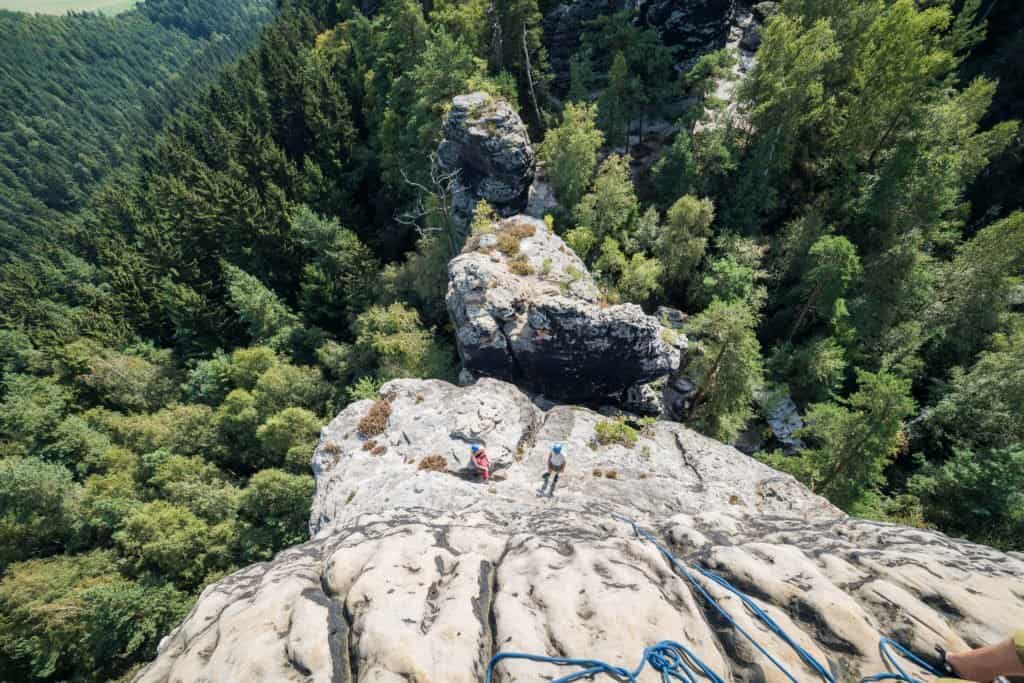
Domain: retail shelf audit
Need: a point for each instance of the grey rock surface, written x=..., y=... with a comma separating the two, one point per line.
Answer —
x=416, y=575
x=486, y=143
x=535, y=317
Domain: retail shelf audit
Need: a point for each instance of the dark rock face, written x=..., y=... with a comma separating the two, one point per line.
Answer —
x=563, y=27
x=690, y=27
x=486, y=142
x=539, y=322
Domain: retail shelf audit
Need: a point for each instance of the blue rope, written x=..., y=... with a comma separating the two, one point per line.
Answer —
x=675, y=661
x=772, y=625
x=897, y=672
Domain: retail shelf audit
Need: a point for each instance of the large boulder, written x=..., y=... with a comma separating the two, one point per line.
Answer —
x=487, y=145
x=421, y=574
x=525, y=309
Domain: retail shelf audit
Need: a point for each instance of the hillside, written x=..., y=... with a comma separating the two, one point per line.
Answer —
x=80, y=93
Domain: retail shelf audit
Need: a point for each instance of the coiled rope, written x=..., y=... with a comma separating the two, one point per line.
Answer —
x=674, y=661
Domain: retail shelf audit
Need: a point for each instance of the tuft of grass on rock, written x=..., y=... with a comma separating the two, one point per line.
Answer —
x=615, y=431
x=434, y=462
x=376, y=419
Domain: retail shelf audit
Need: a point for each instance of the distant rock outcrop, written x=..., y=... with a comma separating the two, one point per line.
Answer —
x=487, y=145
x=525, y=309
x=415, y=574
x=689, y=29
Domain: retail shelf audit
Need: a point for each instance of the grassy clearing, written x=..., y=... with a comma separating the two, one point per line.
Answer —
x=65, y=6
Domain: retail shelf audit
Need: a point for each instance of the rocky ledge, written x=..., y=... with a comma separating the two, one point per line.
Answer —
x=525, y=309
x=416, y=572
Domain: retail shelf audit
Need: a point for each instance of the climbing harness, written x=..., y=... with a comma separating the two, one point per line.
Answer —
x=675, y=661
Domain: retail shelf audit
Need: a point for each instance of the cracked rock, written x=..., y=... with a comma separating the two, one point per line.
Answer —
x=416, y=575
x=532, y=314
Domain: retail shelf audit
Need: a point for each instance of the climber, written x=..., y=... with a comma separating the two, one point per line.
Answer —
x=987, y=663
x=482, y=464
x=556, y=463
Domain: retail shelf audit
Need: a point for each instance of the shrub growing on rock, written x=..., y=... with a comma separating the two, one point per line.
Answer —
x=433, y=463
x=615, y=431
x=376, y=419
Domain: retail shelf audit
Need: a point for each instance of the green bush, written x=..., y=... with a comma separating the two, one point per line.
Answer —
x=248, y=364
x=37, y=505
x=166, y=541
x=31, y=409
x=77, y=618
x=286, y=386
x=615, y=431
x=107, y=500
x=274, y=512
x=291, y=428
x=979, y=495
x=193, y=483
x=129, y=382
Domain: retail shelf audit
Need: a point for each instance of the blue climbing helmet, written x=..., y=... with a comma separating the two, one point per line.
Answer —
x=557, y=448
x=474, y=448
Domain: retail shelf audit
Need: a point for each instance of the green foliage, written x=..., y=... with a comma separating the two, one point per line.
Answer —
x=292, y=428
x=615, y=102
x=853, y=440
x=611, y=206
x=833, y=266
x=31, y=409
x=131, y=382
x=982, y=406
x=37, y=508
x=167, y=541
x=76, y=616
x=684, y=238
x=615, y=431
x=391, y=342
x=581, y=240
x=338, y=282
x=977, y=286
x=978, y=495
x=268, y=318
x=196, y=485
x=274, y=512
x=813, y=370
x=569, y=153
x=726, y=368
x=675, y=172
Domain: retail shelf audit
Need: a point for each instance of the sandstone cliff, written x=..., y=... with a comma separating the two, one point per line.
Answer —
x=421, y=575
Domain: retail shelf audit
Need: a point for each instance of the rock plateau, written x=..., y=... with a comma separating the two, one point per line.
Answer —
x=421, y=575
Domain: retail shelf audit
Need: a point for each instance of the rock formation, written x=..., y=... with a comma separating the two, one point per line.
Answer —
x=690, y=28
x=487, y=145
x=526, y=309
x=415, y=574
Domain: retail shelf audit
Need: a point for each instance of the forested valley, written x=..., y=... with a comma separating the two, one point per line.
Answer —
x=207, y=253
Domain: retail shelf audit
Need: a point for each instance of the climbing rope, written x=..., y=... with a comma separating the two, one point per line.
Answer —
x=672, y=660
x=897, y=672
x=675, y=661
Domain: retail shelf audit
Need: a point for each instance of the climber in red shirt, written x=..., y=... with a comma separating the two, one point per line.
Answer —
x=478, y=456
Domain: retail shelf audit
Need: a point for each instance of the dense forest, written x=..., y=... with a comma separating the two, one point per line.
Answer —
x=196, y=278
x=81, y=93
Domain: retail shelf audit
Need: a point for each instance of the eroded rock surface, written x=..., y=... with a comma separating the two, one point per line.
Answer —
x=486, y=143
x=526, y=309
x=416, y=575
